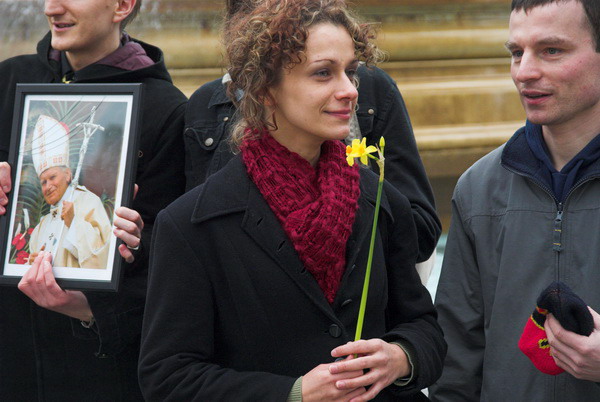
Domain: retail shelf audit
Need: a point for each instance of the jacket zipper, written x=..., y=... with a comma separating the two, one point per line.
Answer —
x=556, y=241
x=557, y=235
x=557, y=238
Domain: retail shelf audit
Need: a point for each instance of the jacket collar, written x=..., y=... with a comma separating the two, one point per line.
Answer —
x=231, y=183
x=219, y=96
x=517, y=156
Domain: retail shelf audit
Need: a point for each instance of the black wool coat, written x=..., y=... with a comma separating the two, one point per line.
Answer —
x=232, y=314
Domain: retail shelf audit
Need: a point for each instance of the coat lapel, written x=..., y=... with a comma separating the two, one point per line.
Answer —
x=261, y=224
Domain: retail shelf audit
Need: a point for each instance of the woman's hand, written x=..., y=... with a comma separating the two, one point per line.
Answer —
x=319, y=384
x=384, y=361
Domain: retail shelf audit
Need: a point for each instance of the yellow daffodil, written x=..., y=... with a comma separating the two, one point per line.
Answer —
x=359, y=149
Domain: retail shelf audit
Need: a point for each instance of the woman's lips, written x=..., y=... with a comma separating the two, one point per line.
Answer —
x=342, y=113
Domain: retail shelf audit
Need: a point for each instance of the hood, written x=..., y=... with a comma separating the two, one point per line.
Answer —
x=104, y=73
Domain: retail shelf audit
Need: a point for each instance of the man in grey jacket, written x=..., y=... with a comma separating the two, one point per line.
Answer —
x=528, y=214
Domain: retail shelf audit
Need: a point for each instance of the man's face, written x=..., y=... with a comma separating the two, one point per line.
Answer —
x=54, y=182
x=85, y=28
x=555, y=66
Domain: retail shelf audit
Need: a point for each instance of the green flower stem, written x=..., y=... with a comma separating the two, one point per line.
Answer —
x=365, y=292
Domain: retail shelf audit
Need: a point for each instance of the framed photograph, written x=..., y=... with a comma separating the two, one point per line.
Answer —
x=73, y=156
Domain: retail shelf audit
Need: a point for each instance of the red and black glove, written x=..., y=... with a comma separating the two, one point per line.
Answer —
x=570, y=311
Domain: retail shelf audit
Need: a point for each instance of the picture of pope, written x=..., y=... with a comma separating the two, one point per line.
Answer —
x=77, y=228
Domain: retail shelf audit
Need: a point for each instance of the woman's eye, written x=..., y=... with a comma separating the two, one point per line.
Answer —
x=322, y=73
x=351, y=73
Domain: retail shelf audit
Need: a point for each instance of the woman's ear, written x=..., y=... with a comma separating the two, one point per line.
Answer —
x=267, y=99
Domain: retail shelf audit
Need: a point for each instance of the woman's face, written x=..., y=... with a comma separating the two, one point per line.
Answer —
x=314, y=99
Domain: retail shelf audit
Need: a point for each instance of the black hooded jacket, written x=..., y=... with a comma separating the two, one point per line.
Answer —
x=49, y=356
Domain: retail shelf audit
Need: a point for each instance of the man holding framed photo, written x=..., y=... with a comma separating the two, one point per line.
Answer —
x=72, y=345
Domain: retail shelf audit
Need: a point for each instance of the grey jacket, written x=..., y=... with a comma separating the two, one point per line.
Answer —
x=508, y=240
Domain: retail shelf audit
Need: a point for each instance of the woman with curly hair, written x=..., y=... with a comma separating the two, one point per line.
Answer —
x=256, y=276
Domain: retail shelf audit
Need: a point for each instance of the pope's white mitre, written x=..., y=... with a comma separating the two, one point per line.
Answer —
x=50, y=144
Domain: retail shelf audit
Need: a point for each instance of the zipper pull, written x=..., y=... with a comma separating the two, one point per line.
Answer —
x=556, y=240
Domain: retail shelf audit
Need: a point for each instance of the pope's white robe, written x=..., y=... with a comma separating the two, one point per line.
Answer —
x=85, y=243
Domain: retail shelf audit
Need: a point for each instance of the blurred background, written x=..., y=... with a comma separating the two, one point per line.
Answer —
x=447, y=56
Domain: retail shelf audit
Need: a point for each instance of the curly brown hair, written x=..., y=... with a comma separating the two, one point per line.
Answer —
x=261, y=43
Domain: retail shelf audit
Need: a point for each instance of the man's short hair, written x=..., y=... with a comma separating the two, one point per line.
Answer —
x=591, y=7
x=132, y=15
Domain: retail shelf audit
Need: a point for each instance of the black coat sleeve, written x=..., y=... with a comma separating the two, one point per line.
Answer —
x=7, y=88
x=20, y=69
x=179, y=335
x=382, y=113
x=410, y=310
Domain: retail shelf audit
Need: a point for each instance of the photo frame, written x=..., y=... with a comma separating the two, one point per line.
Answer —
x=73, y=158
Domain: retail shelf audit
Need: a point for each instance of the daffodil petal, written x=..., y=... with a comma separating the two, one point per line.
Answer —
x=350, y=160
x=364, y=159
x=370, y=149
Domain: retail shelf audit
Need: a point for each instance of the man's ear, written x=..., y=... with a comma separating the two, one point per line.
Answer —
x=123, y=9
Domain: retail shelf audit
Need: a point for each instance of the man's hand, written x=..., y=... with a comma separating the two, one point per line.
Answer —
x=578, y=355
x=68, y=213
x=39, y=285
x=128, y=227
x=384, y=361
x=5, y=186
x=319, y=384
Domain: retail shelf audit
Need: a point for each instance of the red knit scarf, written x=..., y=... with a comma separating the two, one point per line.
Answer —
x=316, y=207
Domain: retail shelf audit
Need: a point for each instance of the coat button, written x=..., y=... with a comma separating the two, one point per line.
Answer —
x=335, y=331
x=208, y=142
x=371, y=111
x=226, y=118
